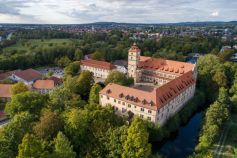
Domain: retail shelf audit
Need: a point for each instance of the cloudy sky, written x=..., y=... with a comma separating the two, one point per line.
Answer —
x=135, y=11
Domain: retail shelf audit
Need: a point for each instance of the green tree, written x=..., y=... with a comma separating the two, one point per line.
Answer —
x=28, y=101
x=63, y=61
x=72, y=69
x=78, y=54
x=114, y=143
x=18, y=88
x=48, y=126
x=98, y=56
x=61, y=99
x=136, y=145
x=94, y=94
x=50, y=73
x=84, y=83
x=12, y=134
x=63, y=147
x=118, y=78
x=32, y=147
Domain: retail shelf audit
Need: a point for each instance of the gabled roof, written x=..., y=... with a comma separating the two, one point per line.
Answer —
x=98, y=64
x=28, y=75
x=168, y=66
x=5, y=90
x=5, y=75
x=44, y=84
x=151, y=100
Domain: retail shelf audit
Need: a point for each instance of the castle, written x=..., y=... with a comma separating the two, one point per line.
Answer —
x=161, y=89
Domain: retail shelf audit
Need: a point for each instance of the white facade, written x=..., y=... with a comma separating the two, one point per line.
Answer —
x=159, y=116
x=18, y=79
x=97, y=72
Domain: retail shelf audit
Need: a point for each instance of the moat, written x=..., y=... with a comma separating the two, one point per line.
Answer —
x=182, y=143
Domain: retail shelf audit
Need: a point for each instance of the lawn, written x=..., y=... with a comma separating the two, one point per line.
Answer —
x=24, y=46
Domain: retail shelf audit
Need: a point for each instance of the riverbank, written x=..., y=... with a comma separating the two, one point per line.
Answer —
x=173, y=136
x=181, y=143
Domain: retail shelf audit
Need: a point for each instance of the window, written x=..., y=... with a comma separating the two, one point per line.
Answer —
x=107, y=98
x=129, y=105
x=135, y=106
x=123, y=110
x=119, y=102
x=141, y=116
x=149, y=111
x=101, y=96
x=149, y=118
x=115, y=100
x=142, y=109
x=123, y=103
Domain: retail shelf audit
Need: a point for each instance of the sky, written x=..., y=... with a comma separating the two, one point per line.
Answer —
x=130, y=11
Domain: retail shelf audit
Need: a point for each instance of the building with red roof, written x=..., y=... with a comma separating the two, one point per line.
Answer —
x=45, y=86
x=26, y=76
x=5, y=92
x=172, y=85
x=100, y=69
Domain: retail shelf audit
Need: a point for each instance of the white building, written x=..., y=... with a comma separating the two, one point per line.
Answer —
x=173, y=85
x=26, y=76
x=100, y=69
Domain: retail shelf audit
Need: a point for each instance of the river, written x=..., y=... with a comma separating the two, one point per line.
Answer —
x=183, y=142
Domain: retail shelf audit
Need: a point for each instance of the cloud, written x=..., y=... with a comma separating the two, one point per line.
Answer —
x=215, y=13
x=137, y=11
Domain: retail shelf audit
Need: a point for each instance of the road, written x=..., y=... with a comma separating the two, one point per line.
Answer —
x=4, y=122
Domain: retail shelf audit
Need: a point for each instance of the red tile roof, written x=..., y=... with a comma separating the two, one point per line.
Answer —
x=5, y=90
x=44, y=84
x=151, y=100
x=98, y=64
x=5, y=75
x=57, y=81
x=168, y=66
x=29, y=74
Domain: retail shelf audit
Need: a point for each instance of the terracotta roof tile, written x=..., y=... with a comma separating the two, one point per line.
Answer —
x=5, y=90
x=158, y=97
x=98, y=64
x=5, y=75
x=44, y=84
x=29, y=74
x=167, y=66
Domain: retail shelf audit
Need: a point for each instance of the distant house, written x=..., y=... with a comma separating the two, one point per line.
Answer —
x=234, y=57
x=5, y=92
x=6, y=75
x=26, y=76
x=44, y=86
x=225, y=48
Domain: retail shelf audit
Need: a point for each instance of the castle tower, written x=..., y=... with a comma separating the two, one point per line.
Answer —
x=133, y=61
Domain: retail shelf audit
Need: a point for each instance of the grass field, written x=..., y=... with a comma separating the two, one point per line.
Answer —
x=24, y=46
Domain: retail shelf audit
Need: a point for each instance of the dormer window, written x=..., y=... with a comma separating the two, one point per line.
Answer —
x=108, y=91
